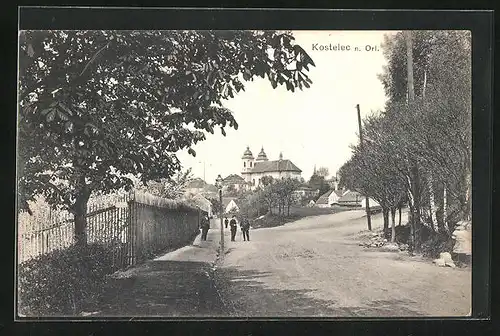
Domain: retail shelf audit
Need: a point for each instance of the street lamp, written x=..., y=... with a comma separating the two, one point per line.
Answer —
x=218, y=184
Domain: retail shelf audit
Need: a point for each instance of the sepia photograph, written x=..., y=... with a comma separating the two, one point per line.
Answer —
x=244, y=173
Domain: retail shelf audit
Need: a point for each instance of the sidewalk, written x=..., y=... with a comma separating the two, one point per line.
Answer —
x=177, y=284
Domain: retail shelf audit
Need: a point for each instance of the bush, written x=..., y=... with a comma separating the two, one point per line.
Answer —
x=63, y=282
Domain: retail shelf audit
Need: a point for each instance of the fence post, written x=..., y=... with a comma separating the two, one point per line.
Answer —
x=131, y=231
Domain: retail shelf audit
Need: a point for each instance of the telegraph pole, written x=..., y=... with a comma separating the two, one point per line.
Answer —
x=221, y=226
x=368, y=215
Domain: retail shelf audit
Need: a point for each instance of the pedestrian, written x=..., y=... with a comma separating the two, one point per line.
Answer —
x=234, y=227
x=226, y=222
x=245, y=229
x=205, y=226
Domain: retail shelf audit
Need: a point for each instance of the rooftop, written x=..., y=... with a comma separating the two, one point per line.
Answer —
x=275, y=166
x=234, y=178
x=196, y=183
x=340, y=192
x=323, y=199
x=351, y=196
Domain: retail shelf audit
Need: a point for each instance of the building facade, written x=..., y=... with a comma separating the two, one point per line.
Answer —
x=234, y=182
x=254, y=169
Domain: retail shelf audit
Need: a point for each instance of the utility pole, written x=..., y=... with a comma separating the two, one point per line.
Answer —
x=368, y=215
x=221, y=226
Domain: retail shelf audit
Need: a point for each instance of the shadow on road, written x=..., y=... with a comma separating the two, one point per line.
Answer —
x=164, y=289
x=195, y=289
x=248, y=297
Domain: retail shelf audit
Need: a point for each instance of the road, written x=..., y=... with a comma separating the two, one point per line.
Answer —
x=309, y=268
x=315, y=267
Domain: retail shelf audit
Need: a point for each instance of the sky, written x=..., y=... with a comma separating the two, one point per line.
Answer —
x=311, y=127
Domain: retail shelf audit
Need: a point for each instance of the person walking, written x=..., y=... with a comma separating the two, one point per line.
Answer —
x=226, y=222
x=205, y=226
x=234, y=227
x=245, y=229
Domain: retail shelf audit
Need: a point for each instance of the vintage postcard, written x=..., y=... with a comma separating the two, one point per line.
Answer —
x=244, y=173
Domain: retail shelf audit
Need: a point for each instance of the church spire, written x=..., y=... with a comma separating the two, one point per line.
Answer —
x=247, y=155
x=262, y=155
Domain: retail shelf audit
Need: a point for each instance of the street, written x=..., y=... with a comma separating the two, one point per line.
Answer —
x=309, y=268
x=314, y=267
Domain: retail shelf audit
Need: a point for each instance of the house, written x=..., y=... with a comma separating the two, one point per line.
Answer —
x=229, y=205
x=234, y=182
x=336, y=195
x=304, y=191
x=199, y=186
x=201, y=202
x=311, y=203
x=331, y=197
x=195, y=186
x=254, y=170
x=355, y=199
x=323, y=201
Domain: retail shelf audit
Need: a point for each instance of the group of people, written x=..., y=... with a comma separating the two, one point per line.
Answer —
x=232, y=223
x=244, y=225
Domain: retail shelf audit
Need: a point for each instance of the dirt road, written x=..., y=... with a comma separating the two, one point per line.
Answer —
x=315, y=267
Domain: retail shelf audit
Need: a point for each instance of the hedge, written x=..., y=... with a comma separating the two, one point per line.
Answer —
x=63, y=282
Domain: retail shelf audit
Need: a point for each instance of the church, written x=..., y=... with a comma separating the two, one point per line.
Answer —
x=253, y=169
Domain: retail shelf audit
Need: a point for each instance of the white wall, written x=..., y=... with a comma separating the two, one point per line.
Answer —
x=232, y=205
x=333, y=198
x=373, y=203
x=275, y=175
x=322, y=205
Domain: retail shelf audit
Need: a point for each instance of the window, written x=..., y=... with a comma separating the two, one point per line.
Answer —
x=244, y=164
x=250, y=164
x=253, y=182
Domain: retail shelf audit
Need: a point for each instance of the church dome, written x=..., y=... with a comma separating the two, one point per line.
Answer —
x=262, y=155
x=247, y=154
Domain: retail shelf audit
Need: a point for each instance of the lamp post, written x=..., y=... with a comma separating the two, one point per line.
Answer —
x=218, y=184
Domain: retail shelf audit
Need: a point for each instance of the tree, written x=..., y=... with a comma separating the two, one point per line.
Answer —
x=266, y=180
x=323, y=171
x=216, y=204
x=418, y=150
x=253, y=204
x=231, y=190
x=288, y=187
x=269, y=196
x=95, y=106
x=373, y=170
x=317, y=182
x=438, y=124
x=171, y=188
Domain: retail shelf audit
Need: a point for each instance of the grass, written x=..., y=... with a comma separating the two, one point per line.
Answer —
x=272, y=220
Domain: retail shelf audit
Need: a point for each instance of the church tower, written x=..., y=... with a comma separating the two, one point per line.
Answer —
x=262, y=155
x=247, y=159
